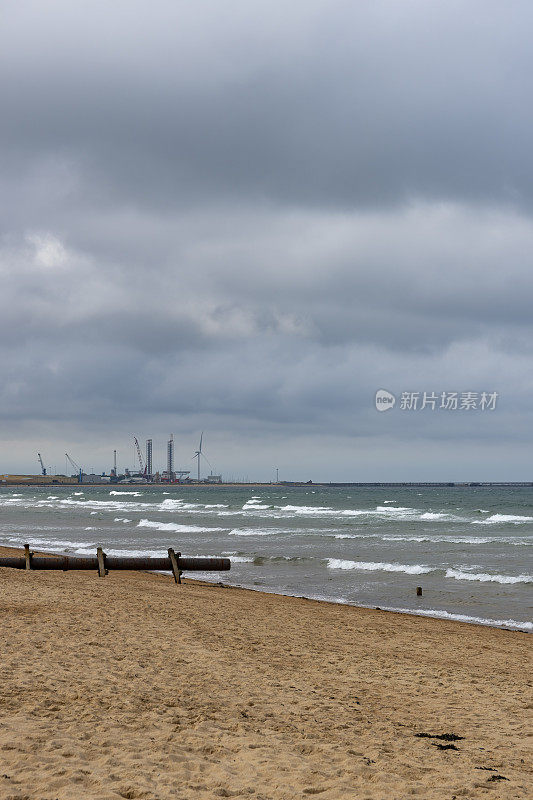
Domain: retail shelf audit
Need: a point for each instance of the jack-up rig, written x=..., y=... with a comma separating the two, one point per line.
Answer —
x=144, y=474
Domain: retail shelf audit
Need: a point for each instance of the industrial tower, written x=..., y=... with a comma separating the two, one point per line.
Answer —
x=149, y=472
x=170, y=458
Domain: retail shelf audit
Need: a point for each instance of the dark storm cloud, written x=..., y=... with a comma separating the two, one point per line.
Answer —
x=249, y=217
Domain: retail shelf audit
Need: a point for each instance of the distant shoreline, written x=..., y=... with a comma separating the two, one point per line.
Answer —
x=280, y=484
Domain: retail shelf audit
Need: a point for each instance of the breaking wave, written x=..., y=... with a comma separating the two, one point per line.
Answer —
x=471, y=540
x=494, y=519
x=258, y=531
x=173, y=526
x=378, y=566
x=485, y=577
x=52, y=545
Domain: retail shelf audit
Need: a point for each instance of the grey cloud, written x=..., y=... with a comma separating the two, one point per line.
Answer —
x=421, y=279
x=248, y=217
x=327, y=103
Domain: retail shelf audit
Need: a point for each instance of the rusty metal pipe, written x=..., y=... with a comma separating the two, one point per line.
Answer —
x=13, y=561
x=117, y=562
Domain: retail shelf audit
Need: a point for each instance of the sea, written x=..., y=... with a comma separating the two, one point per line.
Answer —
x=468, y=548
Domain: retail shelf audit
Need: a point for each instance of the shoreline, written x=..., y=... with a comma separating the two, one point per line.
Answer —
x=512, y=626
x=271, y=484
x=132, y=687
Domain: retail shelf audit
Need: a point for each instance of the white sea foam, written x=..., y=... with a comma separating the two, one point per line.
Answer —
x=384, y=512
x=257, y=531
x=83, y=550
x=167, y=505
x=101, y=505
x=397, y=513
x=434, y=612
x=515, y=541
x=485, y=577
x=494, y=519
x=131, y=494
x=172, y=503
x=121, y=519
x=54, y=545
x=432, y=515
x=397, y=509
x=378, y=566
x=307, y=509
x=357, y=512
x=473, y=540
x=196, y=507
x=172, y=526
x=192, y=508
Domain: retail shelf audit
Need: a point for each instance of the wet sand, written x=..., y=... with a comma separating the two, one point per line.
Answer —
x=129, y=686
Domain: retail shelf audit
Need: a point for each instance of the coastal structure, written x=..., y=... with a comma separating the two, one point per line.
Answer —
x=39, y=480
x=170, y=457
x=149, y=471
x=145, y=473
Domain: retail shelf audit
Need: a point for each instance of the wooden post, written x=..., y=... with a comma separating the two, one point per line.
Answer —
x=174, y=564
x=27, y=555
x=102, y=572
x=419, y=591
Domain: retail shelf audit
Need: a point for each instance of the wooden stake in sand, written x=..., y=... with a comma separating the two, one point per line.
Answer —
x=27, y=556
x=102, y=572
x=174, y=564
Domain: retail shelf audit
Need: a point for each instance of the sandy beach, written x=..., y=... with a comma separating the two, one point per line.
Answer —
x=133, y=687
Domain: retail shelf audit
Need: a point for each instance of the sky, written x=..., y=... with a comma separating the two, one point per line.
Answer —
x=246, y=218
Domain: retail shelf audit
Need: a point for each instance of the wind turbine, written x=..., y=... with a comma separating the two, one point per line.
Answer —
x=198, y=454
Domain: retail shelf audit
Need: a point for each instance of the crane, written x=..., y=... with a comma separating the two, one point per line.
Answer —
x=139, y=456
x=43, y=468
x=76, y=467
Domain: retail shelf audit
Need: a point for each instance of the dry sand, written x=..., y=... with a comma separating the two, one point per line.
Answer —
x=132, y=687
